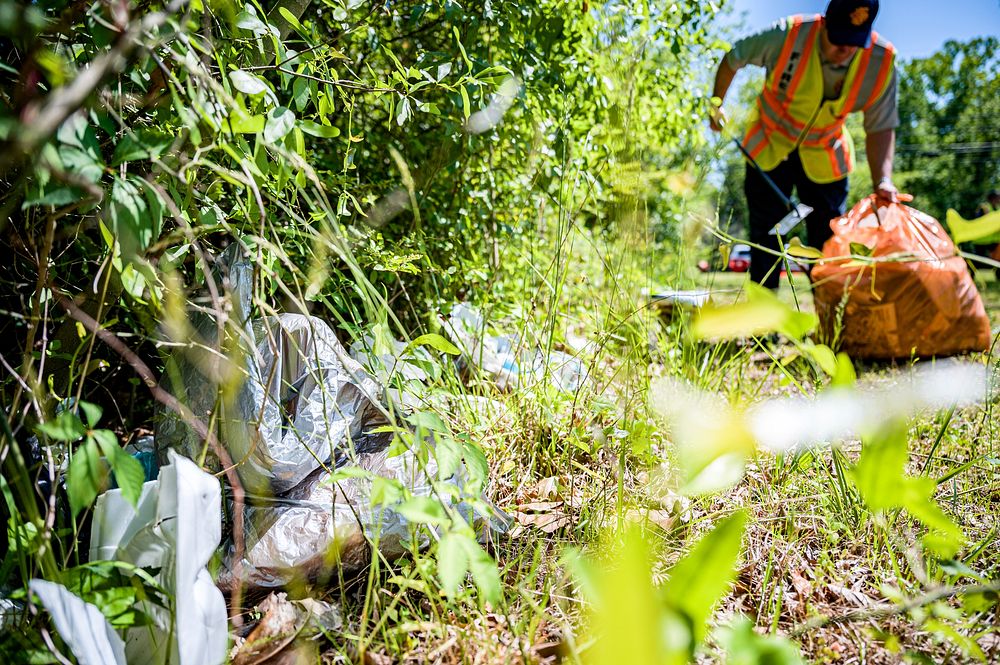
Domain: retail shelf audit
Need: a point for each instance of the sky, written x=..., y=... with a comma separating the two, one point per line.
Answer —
x=917, y=28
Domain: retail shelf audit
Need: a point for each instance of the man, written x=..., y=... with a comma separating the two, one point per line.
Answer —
x=819, y=69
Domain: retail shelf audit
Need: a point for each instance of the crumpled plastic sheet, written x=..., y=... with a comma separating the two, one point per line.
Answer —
x=300, y=398
x=311, y=399
x=324, y=523
x=510, y=363
x=302, y=407
x=81, y=625
x=176, y=527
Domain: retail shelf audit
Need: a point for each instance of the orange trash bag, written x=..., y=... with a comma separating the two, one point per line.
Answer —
x=905, y=292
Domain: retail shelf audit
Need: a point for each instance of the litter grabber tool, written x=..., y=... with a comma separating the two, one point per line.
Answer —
x=796, y=211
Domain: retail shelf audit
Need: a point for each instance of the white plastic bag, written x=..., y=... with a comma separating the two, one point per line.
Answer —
x=177, y=528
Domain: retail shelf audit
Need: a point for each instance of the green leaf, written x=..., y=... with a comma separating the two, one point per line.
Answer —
x=91, y=412
x=466, y=105
x=280, y=121
x=301, y=91
x=134, y=226
x=969, y=647
x=64, y=427
x=423, y=510
x=744, y=646
x=318, y=130
x=484, y=571
x=86, y=477
x=144, y=144
x=448, y=453
x=429, y=421
x=292, y=20
x=476, y=463
x=241, y=123
x=436, y=341
x=403, y=111
x=824, y=357
x=762, y=313
x=858, y=249
x=844, y=374
x=701, y=578
x=981, y=230
x=386, y=490
x=453, y=562
x=248, y=83
x=53, y=195
x=248, y=20
x=797, y=249
x=880, y=477
x=630, y=623
x=127, y=470
x=84, y=164
x=79, y=133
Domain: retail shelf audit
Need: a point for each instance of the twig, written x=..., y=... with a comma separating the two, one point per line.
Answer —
x=893, y=610
x=340, y=83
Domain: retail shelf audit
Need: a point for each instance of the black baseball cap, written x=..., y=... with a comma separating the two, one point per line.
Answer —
x=849, y=22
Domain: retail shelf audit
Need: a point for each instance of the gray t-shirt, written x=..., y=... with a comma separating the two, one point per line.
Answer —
x=764, y=48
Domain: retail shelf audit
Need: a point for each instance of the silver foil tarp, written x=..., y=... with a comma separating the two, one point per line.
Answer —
x=323, y=524
x=284, y=393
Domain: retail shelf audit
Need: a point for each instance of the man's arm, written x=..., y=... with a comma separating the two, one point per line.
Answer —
x=760, y=49
x=881, y=148
x=723, y=79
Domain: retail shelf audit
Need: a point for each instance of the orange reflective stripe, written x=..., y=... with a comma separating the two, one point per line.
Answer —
x=883, y=76
x=786, y=51
x=778, y=112
x=753, y=144
x=834, y=162
x=804, y=62
x=776, y=125
x=859, y=78
x=838, y=160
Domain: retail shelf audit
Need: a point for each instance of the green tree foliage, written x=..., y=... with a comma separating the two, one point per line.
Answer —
x=948, y=144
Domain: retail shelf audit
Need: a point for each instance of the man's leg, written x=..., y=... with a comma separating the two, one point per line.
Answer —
x=828, y=202
x=766, y=210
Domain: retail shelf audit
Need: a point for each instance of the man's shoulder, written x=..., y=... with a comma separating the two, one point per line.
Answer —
x=881, y=43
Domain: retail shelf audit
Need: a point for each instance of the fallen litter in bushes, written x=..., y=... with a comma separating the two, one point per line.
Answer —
x=298, y=399
x=509, y=362
x=328, y=475
x=81, y=625
x=330, y=521
x=285, y=627
x=176, y=527
x=304, y=410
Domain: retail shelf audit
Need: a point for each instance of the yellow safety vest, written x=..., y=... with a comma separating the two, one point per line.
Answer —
x=791, y=113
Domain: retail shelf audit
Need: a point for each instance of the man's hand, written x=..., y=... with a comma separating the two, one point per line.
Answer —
x=716, y=118
x=723, y=79
x=886, y=190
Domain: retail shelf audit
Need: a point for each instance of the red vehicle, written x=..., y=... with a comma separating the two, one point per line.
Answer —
x=739, y=258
